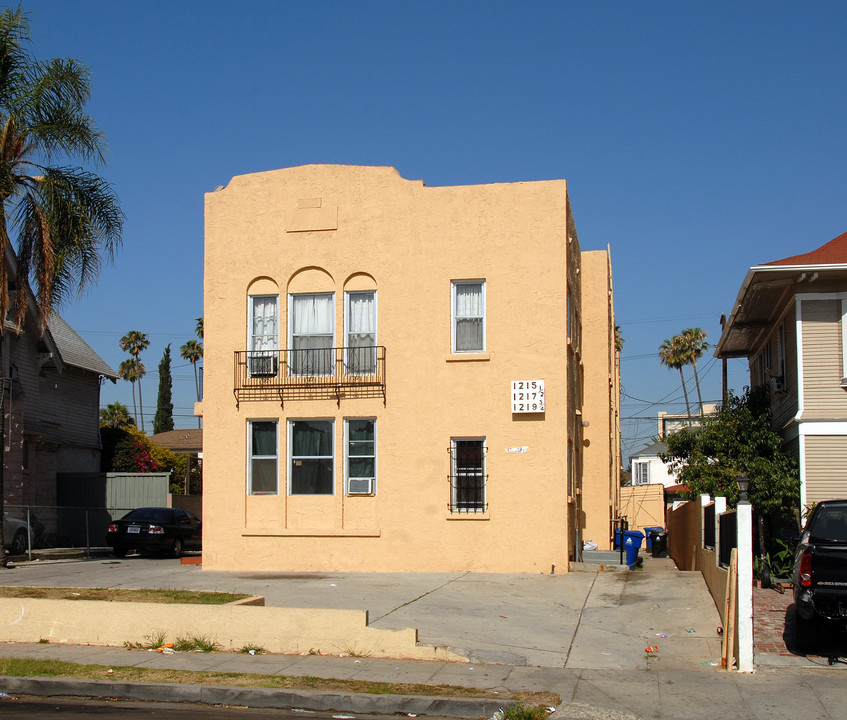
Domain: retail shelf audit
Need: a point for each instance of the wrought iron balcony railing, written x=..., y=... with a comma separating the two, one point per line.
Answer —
x=310, y=374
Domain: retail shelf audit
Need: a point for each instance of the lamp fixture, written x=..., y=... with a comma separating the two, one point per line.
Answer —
x=743, y=484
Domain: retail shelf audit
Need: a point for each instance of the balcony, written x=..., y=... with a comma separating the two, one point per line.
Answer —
x=310, y=374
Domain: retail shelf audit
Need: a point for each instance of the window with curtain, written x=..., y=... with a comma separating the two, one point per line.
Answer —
x=262, y=472
x=312, y=328
x=361, y=456
x=361, y=333
x=312, y=458
x=264, y=335
x=469, y=316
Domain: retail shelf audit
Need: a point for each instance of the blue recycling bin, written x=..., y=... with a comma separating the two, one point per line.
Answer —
x=632, y=544
x=648, y=531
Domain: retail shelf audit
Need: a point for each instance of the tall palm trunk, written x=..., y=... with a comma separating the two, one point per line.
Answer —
x=685, y=392
x=197, y=391
x=697, y=383
x=141, y=405
x=134, y=404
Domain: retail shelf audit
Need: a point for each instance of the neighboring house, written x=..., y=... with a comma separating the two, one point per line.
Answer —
x=51, y=403
x=648, y=468
x=395, y=375
x=672, y=422
x=789, y=320
x=185, y=442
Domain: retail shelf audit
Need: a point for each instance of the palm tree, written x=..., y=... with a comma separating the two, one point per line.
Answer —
x=198, y=330
x=193, y=352
x=672, y=356
x=131, y=370
x=694, y=344
x=134, y=342
x=115, y=415
x=67, y=218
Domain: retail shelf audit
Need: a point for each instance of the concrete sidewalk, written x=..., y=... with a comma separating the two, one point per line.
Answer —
x=582, y=636
x=668, y=693
x=580, y=620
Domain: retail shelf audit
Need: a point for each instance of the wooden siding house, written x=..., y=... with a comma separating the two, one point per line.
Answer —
x=50, y=382
x=790, y=320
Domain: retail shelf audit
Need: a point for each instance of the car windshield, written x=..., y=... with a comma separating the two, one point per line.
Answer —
x=154, y=515
x=830, y=525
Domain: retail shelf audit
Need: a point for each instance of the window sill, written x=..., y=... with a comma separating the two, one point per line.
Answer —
x=469, y=357
x=469, y=516
x=313, y=532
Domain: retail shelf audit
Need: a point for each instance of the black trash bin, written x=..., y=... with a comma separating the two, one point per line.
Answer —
x=659, y=542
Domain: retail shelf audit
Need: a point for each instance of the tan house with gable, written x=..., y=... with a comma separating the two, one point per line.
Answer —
x=790, y=320
x=394, y=375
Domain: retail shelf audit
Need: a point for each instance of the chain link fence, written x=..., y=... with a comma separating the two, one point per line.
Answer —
x=30, y=527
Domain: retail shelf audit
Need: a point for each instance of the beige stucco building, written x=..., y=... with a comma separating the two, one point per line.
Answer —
x=394, y=375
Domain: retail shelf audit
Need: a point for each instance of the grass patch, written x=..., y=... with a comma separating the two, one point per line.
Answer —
x=186, y=597
x=19, y=667
x=520, y=711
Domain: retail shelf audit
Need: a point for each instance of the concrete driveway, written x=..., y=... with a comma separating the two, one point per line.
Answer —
x=588, y=619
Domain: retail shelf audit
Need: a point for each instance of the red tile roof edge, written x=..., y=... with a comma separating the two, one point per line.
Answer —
x=832, y=253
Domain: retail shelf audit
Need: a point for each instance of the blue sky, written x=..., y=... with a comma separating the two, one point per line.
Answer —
x=697, y=139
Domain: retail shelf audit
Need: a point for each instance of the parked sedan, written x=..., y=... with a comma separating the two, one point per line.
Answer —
x=155, y=529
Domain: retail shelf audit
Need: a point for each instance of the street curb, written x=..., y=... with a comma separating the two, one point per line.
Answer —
x=252, y=697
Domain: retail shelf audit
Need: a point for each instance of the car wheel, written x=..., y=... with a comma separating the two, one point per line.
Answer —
x=176, y=548
x=119, y=552
x=19, y=543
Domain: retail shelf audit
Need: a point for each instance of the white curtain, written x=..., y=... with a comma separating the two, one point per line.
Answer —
x=361, y=333
x=312, y=322
x=265, y=329
x=469, y=314
x=312, y=315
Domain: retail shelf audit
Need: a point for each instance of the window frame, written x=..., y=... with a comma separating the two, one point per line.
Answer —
x=292, y=457
x=481, y=505
x=454, y=318
x=351, y=358
x=264, y=362
x=640, y=472
x=348, y=454
x=293, y=350
x=251, y=456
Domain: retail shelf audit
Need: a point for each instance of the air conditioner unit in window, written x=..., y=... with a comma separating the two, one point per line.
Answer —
x=263, y=365
x=360, y=486
x=777, y=385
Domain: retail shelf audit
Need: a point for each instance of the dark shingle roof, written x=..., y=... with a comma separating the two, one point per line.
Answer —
x=74, y=351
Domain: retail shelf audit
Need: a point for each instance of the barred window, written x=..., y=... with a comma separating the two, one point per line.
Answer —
x=467, y=475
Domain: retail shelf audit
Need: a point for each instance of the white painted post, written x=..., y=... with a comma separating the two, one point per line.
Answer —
x=704, y=500
x=720, y=507
x=745, y=586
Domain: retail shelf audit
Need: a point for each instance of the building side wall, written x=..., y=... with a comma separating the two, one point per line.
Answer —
x=823, y=397
x=643, y=506
x=825, y=456
x=600, y=481
x=407, y=242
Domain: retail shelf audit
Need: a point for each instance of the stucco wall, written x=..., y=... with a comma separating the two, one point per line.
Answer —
x=276, y=629
x=685, y=525
x=408, y=242
x=643, y=506
x=601, y=440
